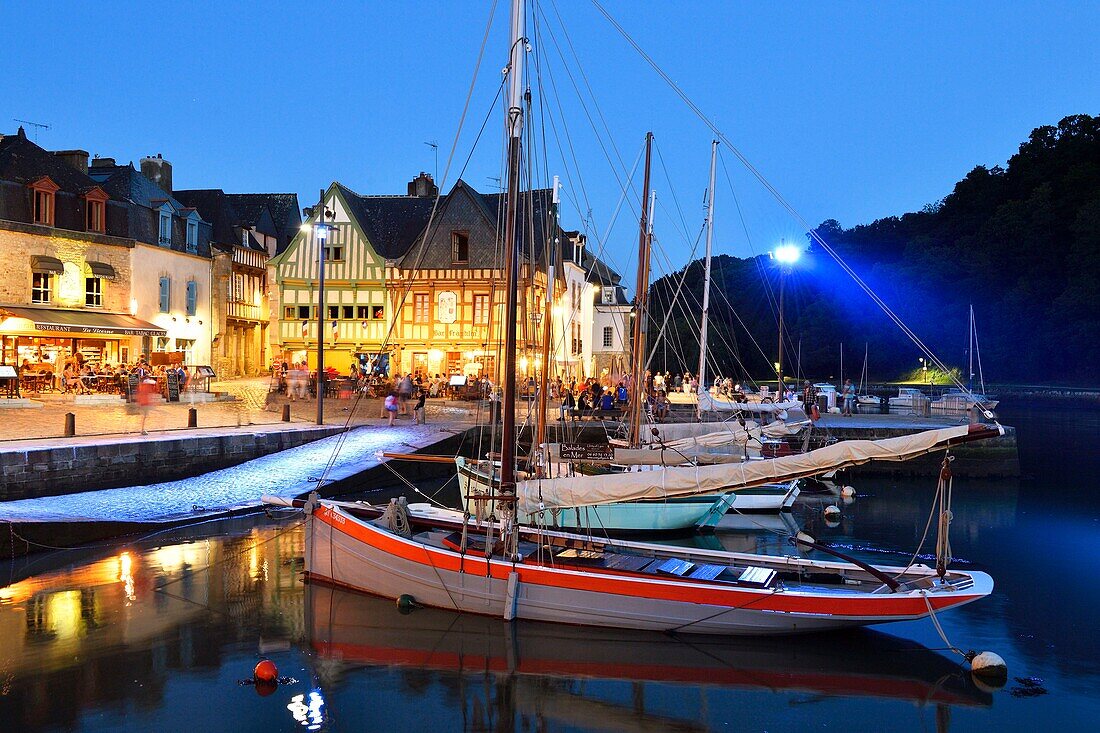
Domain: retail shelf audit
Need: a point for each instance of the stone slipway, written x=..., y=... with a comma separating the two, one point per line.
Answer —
x=53, y=466
x=346, y=459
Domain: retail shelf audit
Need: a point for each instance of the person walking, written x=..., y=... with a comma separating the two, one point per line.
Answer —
x=390, y=406
x=568, y=404
x=404, y=392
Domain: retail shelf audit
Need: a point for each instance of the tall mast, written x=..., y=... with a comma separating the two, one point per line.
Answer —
x=706, y=282
x=514, y=125
x=551, y=253
x=970, y=350
x=642, y=285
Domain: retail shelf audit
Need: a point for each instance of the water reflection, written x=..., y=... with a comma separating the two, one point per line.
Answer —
x=569, y=675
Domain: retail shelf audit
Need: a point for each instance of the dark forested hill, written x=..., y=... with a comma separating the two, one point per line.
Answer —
x=1021, y=243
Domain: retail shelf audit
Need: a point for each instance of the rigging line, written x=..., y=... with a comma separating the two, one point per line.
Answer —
x=672, y=192
x=431, y=217
x=778, y=196
x=623, y=186
x=679, y=287
x=772, y=303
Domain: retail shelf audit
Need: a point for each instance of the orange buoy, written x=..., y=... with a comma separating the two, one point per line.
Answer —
x=266, y=671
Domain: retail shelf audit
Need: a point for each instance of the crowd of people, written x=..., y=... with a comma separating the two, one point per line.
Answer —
x=76, y=376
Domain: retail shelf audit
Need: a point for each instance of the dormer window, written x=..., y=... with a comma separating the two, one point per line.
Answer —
x=165, y=227
x=192, y=236
x=43, y=191
x=578, y=250
x=95, y=210
x=460, y=248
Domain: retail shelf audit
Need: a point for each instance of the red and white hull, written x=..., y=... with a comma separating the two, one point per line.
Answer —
x=351, y=552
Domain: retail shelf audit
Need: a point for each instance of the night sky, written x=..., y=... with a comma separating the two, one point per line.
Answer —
x=853, y=111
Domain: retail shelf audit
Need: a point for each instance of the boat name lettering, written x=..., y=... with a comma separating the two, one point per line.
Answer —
x=587, y=452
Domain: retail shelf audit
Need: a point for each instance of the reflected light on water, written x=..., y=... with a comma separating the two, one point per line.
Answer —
x=309, y=712
x=126, y=575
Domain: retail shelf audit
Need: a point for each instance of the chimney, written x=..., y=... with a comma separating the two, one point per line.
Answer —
x=76, y=158
x=159, y=171
x=423, y=186
x=98, y=162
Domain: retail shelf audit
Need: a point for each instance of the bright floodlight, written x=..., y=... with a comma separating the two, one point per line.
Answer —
x=787, y=254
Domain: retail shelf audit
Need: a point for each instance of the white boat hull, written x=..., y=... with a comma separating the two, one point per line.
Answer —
x=350, y=552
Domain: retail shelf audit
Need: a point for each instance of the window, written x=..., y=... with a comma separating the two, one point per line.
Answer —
x=378, y=312
x=303, y=312
x=422, y=308
x=41, y=287
x=481, y=309
x=460, y=248
x=288, y=312
x=244, y=238
x=162, y=344
x=608, y=295
x=334, y=253
x=575, y=342
x=93, y=292
x=192, y=236
x=348, y=312
x=165, y=228
x=95, y=220
x=362, y=312
x=187, y=346
x=608, y=337
x=165, y=294
x=333, y=312
x=192, y=297
x=43, y=191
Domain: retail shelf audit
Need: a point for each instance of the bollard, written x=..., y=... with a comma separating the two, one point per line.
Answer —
x=192, y=417
x=70, y=424
x=286, y=413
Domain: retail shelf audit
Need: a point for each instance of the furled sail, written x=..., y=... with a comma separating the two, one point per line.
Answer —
x=710, y=403
x=570, y=491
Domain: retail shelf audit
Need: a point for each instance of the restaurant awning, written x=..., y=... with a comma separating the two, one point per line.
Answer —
x=82, y=321
x=42, y=263
x=101, y=269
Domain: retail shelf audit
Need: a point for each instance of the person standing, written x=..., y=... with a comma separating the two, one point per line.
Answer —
x=568, y=404
x=849, y=395
x=390, y=406
x=418, y=409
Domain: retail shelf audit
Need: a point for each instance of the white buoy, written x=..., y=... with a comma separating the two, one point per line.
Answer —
x=848, y=492
x=832, y=511
x=990, y=667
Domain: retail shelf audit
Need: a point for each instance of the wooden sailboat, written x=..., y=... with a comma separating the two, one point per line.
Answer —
x=504, y=569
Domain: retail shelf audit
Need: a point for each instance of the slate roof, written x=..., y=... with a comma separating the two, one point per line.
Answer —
x=24, y=162
x=283, y=208
x=392, y=224
x=212, y=205
x=126, y=183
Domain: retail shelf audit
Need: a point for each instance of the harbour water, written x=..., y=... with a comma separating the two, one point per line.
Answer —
x=161, y=634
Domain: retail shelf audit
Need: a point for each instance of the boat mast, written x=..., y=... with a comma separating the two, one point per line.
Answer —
x=641, y=299
x=514, y=125
x=701, y=375
x=552, y=245
x=970, y=350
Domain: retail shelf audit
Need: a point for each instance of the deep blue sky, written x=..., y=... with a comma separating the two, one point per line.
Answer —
x=853, y=111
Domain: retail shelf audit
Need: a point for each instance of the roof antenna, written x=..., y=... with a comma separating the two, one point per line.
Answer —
x=497, y=180
x=434, y=145
x=36, y=125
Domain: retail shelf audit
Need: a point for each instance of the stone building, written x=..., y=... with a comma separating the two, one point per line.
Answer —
x=65, y=287
x=248, y=229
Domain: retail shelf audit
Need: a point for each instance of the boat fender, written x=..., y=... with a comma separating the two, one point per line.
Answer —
x=804, y=537
x=989, y=667
x=511, y=596
x=832, y=511
x=265, y=671
x=406, y=604
x=848, y=492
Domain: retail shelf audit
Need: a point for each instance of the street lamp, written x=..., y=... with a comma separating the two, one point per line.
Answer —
x=786, y=255
x=321, y=228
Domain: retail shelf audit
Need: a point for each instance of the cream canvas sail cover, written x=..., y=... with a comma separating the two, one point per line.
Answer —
x=710, y=403
x=685, y=481
x=655, y=456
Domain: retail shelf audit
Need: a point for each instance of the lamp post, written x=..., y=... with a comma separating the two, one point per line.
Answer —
x=321, y=229
x=786, y=255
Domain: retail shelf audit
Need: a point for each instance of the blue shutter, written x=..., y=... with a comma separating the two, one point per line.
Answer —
x=192, y=296
x=165, y=294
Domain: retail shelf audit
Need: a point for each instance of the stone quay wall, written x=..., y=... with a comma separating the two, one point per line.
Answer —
x=34, y=471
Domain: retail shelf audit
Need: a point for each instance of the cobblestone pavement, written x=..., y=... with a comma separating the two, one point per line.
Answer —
x=251, y=406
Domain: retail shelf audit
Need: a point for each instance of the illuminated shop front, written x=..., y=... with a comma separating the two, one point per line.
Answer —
x=50, y=336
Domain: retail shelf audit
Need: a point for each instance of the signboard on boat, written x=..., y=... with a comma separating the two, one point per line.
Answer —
x=587, y=452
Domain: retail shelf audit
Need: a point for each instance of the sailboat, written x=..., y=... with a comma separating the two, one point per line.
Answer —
x=958, y=401
x=862, y=398
x=505, y=569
